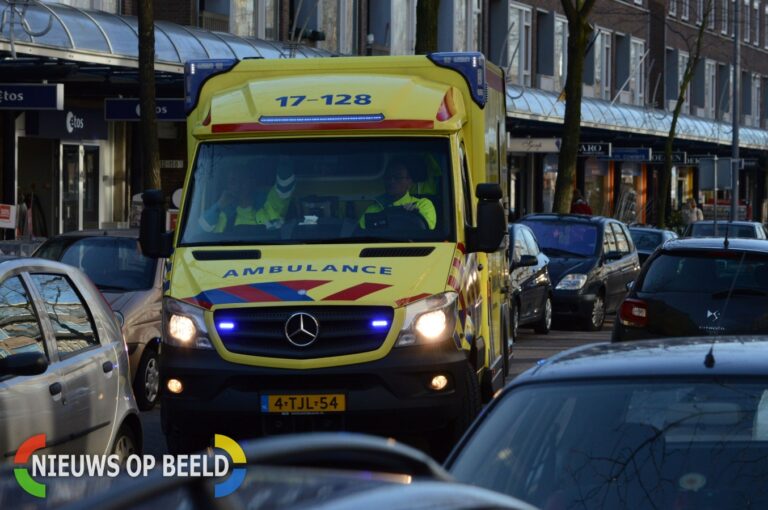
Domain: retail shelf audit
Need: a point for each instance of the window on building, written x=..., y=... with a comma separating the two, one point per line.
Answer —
x=685, y=9
x=756, y=15
x=699, y=11
x=756, y=99
x=519, y=45
x=603, y=64
x=673, y=7
x=637, y=78
x=561, y=50
x=710, y=88
x=765, y=27
x=733, y=9
x=682, y=65
x=724, y=16
x=266, y=13
x=747, y=22
x=710, y=14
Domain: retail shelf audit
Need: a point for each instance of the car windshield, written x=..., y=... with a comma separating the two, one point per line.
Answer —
x=718, y=272
x=625, y=444
x=320, y=191
x=708, y=230
x=645, y=240
x=112, y=263
x=563, y=239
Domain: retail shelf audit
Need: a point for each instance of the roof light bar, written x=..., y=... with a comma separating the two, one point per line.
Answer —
x=471, y=65
x=301, y=119
x=196, y=72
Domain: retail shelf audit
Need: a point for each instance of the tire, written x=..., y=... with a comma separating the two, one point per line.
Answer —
x=146, y=383
x=125, y=443
x=597, y=315
x=442, y=442
x=544, y=324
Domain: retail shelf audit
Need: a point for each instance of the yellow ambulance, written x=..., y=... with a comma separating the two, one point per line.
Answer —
x=340, y=259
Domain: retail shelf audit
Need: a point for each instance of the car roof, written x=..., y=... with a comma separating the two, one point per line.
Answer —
x=110, y=232
x=584, y=218
x=716, y=243
x=737, y=222
x=648, y=229
x=667, y=357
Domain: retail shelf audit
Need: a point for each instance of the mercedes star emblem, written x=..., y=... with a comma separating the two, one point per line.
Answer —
x=301, y=329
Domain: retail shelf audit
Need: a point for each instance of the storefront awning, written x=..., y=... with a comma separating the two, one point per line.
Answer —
x=69, y=33
x=543, y=106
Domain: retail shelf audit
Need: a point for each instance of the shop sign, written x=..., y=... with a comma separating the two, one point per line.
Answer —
x=73, y=124
x=595, y=149
x=750, y=164
x=7, y=216
x=631, y=154
x=677, y=157
x=31, y=96
x=534, y=145
x=694, y=159
x=129, y=110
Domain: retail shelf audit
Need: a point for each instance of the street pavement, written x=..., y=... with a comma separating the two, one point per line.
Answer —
x=529, y=349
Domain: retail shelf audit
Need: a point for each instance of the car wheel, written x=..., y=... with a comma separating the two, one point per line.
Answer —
x=442, y=442
x=146, y=383
x=597, y=315
x=125, y=444
x=545, y=323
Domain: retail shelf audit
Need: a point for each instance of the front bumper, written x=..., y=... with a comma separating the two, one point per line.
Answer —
x=572, y=304
x=389, y=396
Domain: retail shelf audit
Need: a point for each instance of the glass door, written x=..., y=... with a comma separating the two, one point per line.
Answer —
x=70, y=187
x=91, y=186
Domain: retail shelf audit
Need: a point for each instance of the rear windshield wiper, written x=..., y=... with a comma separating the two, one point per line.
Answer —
x=742, y=291
x=560, y=251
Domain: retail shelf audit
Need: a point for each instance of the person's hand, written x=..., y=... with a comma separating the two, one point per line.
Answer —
x=411, y=206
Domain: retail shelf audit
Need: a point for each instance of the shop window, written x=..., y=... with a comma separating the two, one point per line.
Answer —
x=519, y=45
x=630, y=189
x=550, y=178
x=597, y=185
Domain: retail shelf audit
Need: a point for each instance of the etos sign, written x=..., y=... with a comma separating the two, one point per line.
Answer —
x=31, y=96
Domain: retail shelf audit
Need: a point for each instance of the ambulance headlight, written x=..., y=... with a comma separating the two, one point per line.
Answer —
x=184, y=325
x=429, y=320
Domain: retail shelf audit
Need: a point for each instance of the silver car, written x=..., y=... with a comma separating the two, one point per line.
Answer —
x=63, y=364
x=132, y=283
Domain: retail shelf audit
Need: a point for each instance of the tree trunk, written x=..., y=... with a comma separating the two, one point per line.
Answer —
x=426, y=26
x=150, y=159
x=578, y=36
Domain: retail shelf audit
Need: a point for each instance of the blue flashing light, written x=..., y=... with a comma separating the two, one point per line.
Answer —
x=196, y=72
x=379, y=323
x=226, y=325
x=471, y=65
x=299, y=119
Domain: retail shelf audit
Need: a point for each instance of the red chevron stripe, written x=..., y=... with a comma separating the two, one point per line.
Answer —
x=250, y=294
x=304, y=284
x=356, y=292
x=405, y=301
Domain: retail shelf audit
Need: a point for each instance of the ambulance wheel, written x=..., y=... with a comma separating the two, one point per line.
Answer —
x=442, y=442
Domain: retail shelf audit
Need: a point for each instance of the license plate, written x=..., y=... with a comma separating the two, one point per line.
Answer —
x=330, y=403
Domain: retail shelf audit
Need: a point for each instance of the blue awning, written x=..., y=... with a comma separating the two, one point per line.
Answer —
x=70, y=33
x=543, y=106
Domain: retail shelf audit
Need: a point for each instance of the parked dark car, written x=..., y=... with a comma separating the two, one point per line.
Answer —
x=707, y=228
x=673, y=423
x=591, y=261
x=530, y=286
x=698, y=286
x=647, y=239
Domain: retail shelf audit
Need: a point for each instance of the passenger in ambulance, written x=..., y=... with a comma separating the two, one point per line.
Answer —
x=241, y=204
x=398, y=180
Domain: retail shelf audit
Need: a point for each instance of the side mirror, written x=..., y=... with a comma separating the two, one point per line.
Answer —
x=155, y=241
x=526, y=261
x=24, y=363
x=491, y=221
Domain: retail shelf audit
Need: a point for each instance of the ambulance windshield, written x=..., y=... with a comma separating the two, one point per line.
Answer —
x=320, y=191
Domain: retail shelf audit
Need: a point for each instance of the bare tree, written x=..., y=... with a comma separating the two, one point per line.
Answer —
x=694, y=48
x=150, y=159
x=579, y=32
x=426, y=26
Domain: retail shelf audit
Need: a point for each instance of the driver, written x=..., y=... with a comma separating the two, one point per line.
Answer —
x=398, y=181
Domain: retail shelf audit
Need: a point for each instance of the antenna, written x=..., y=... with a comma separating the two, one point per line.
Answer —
x=725, y=241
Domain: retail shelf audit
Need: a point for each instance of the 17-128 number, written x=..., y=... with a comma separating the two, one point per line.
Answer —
x=329, y=99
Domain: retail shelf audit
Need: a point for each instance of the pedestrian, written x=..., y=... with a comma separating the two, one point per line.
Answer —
x=579, y=204
x=692, y=213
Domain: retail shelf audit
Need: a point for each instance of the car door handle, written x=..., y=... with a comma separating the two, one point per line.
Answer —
x=55, y=389
x=107, y=366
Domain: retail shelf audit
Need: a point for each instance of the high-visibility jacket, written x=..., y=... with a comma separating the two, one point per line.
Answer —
x=424, y=205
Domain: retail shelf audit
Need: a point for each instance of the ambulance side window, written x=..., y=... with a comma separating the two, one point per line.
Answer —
x=465, y=186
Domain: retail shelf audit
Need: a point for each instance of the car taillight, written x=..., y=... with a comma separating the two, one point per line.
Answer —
x=634, y=313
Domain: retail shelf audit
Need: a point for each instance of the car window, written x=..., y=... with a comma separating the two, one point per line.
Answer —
x=645, y=240
x=708, y=230
x=533, y=247
x=609, y=240
x=70, y=318
x=520, y=247
x=563, y=238
x=653, y=443
x=19, y=327
x=621, y=240
x=707, y=272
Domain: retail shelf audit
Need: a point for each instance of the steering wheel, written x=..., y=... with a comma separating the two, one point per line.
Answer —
x=396, y=218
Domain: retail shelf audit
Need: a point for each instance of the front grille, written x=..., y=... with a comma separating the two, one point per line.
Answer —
x=342, y=330
x=421, y=251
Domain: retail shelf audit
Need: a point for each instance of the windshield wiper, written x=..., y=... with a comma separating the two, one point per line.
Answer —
x=360, y=239
x=742, y=291
x=560, y=251
x=110, y=288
